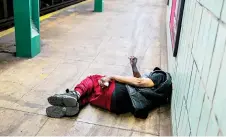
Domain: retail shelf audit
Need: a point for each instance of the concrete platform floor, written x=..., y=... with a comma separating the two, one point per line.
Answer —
x=76, y=43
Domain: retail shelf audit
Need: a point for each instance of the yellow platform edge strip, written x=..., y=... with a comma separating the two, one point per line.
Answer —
x=44, y=17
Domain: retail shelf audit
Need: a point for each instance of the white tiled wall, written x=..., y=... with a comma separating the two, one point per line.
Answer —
x=199, y=70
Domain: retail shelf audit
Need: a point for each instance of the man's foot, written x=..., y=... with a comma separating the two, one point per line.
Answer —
x=58, y=112
x=68, y=99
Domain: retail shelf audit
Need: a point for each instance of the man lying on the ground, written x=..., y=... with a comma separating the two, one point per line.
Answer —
x=118, y=94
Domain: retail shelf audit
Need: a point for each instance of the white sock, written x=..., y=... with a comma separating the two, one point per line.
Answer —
x=78, y=94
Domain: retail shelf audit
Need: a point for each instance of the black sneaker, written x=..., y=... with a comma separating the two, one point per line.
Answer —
x=58, y=111
x=68, y=99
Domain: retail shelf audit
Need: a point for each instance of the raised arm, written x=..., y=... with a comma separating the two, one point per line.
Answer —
x=133, y=62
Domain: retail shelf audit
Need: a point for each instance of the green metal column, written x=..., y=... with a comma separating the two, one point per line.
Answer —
x=98, y=5
x=27, y=27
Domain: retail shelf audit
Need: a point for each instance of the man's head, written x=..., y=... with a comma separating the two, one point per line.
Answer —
x=156, y=68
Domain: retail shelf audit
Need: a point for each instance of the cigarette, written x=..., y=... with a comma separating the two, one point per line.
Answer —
x=106, y=84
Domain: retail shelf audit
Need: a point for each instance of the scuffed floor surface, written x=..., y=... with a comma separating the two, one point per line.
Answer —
x=76, y=43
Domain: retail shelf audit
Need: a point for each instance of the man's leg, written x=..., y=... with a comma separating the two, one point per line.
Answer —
x=68, y=104
x=70, y=98
x=85, y=87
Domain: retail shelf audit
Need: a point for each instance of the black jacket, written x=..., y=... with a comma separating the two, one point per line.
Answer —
x=145, y=99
